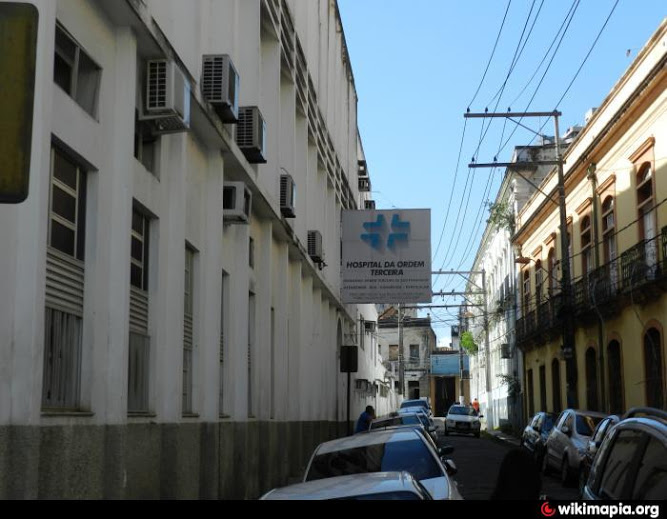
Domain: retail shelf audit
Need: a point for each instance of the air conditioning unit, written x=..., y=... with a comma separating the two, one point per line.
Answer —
x=236, y=202
x=167, y=101
x=287, y=196
x=251, y=134
x=369, y=204
x=315, y=246
x=364, y=184
x=220, y=86
x=363, y=169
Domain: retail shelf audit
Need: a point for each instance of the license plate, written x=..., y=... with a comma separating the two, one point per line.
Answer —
x=463, y=425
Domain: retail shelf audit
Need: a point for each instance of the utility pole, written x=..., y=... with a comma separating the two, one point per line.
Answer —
x=401, y=359
x=568, y=346
x=487, y=354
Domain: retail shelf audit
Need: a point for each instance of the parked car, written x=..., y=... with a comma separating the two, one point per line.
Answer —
x=631, y=463
x=384, y=451
x=567, y=442
x=593, y=445
x=418, y=403
x=534, y=437
x=407, y=419
x=462, y=419
x=368, y=486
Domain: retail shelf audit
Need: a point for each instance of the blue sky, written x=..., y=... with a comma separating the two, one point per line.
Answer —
x=417, y=66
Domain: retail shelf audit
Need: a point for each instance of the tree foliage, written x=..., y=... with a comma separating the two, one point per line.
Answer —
x=501, y=216
x=468, y=343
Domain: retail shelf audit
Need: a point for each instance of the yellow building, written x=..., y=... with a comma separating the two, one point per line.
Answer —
x=616, y=194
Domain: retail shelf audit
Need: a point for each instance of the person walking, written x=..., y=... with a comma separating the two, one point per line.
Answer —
x=365, y=418
x=475, y=405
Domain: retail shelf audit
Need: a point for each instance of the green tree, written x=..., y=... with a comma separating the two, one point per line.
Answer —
x=468, y=343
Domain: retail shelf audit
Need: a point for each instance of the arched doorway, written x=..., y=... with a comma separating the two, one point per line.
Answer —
x=555, y=385
x=615, y=370
x=653, y=372
x=591, y=380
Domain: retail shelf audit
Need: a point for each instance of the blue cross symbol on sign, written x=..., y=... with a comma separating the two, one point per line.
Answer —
x=375, y=232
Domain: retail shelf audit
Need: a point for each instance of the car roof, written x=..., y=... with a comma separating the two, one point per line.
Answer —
x=348, y=486
x=411, y=410
x=415, y=402
x=363, y=440
x=398, y=417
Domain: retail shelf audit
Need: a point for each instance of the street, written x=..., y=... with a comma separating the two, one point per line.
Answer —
x=478, y=462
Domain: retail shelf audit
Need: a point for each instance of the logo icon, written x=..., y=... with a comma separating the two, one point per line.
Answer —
x=547, y=511
x=375, y=232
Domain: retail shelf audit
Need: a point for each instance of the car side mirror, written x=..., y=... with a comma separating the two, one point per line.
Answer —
x=447, y=449
x=450, y=467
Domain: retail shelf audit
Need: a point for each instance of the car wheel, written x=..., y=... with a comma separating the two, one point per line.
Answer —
x=565, y=473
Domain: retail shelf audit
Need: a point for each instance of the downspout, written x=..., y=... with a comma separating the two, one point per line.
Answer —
x=596, y=234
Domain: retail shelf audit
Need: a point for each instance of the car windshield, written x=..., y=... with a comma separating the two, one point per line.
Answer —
x=414, y=403
x=548, y=423
x=411, y=455
x=586, y=424
x=466, y=411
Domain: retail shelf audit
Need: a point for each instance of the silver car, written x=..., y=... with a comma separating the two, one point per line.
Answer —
x=462, y=419
x=367, y=486
x=402, y=449
x=567, y=442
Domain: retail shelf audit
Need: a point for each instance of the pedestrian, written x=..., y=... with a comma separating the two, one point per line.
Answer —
x=475, y=405
x=364, y=421
x=518, y=477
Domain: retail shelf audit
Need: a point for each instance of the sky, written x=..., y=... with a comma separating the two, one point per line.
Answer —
x=418, y=65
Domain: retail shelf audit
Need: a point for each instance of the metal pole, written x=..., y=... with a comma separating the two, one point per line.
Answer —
x=401, y=360
x=349, y=423
x=489, y=402
x=566, y=312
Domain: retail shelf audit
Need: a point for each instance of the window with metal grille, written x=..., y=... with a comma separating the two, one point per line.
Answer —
x=67, y=206
x=75, y=72
x=188, y=331
x=62, y=361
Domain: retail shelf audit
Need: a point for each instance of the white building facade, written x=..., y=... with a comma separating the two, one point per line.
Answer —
x=171, y=322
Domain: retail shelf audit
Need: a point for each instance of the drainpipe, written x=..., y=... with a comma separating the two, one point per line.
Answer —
x=596, y=233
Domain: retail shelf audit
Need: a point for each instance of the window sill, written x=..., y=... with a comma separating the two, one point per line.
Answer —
x=190, y=415
x=57, y=413
x=224, y=416
x=141, y=414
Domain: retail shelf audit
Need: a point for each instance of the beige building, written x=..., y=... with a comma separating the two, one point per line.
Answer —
x=616, y=189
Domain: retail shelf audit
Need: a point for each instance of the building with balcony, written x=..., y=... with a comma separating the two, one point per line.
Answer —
x=616, y=189
x=171, y=320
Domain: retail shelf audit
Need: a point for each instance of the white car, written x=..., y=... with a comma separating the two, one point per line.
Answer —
x=462, y=419
x=402, y=449
x=367, y=486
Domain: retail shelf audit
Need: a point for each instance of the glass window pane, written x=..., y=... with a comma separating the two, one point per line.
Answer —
x=62, y=74
x=137, y=250
x=652, y=475
x=138, y=222
x=87, y=84
x=136, y=276
x=63, y=204
x=616, y=466
x=64, y=170
x=62, y=238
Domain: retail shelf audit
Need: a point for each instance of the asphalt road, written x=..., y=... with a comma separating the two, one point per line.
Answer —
x=478, y=461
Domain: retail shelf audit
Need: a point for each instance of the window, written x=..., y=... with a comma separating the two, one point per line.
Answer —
x=651, y=482
x=393, y=352
x=551, y=267
x=653, y=370
x=617, y=464
x=526, y=290
x=414, y=353
x=586, y=246
x=645, y=202
x=146, y=144
x=591, y=380
x=67, y=206
x=609, y=239
x=251, y=253
x=538, y=281
x=615, y=378
x=138, y=363
x=75, y=72
x=62, y=360
x=139, y=251
x=188, y=322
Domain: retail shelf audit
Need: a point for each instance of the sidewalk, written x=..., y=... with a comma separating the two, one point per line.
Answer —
x=504, y=438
